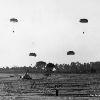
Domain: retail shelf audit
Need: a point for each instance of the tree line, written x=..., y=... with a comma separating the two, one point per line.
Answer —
x=49, y=68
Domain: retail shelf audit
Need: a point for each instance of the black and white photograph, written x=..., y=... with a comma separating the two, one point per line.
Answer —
x=49, y=49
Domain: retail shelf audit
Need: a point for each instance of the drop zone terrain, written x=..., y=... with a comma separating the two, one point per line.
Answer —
x=69, y=87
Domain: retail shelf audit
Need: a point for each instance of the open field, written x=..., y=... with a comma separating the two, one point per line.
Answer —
x=46, y=98
x=69, y=87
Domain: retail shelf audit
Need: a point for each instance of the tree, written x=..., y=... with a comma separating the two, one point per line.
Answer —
x=49, y=69
x=93, y=70
x=40, y=66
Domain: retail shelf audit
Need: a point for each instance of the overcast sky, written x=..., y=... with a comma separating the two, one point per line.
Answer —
x=49, y=28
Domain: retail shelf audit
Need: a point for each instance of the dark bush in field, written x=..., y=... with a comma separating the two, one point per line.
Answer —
x=49, y=69
x=26, y=76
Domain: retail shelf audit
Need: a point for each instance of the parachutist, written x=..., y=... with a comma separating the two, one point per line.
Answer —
x=83, y=21
x=13, y=20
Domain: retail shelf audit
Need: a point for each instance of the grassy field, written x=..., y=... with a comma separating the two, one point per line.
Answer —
x=69, y=87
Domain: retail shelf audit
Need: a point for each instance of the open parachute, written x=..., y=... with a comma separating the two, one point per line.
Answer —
x=70, y=53
x=83, y=20
x=32, y=54
x=14, y=20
